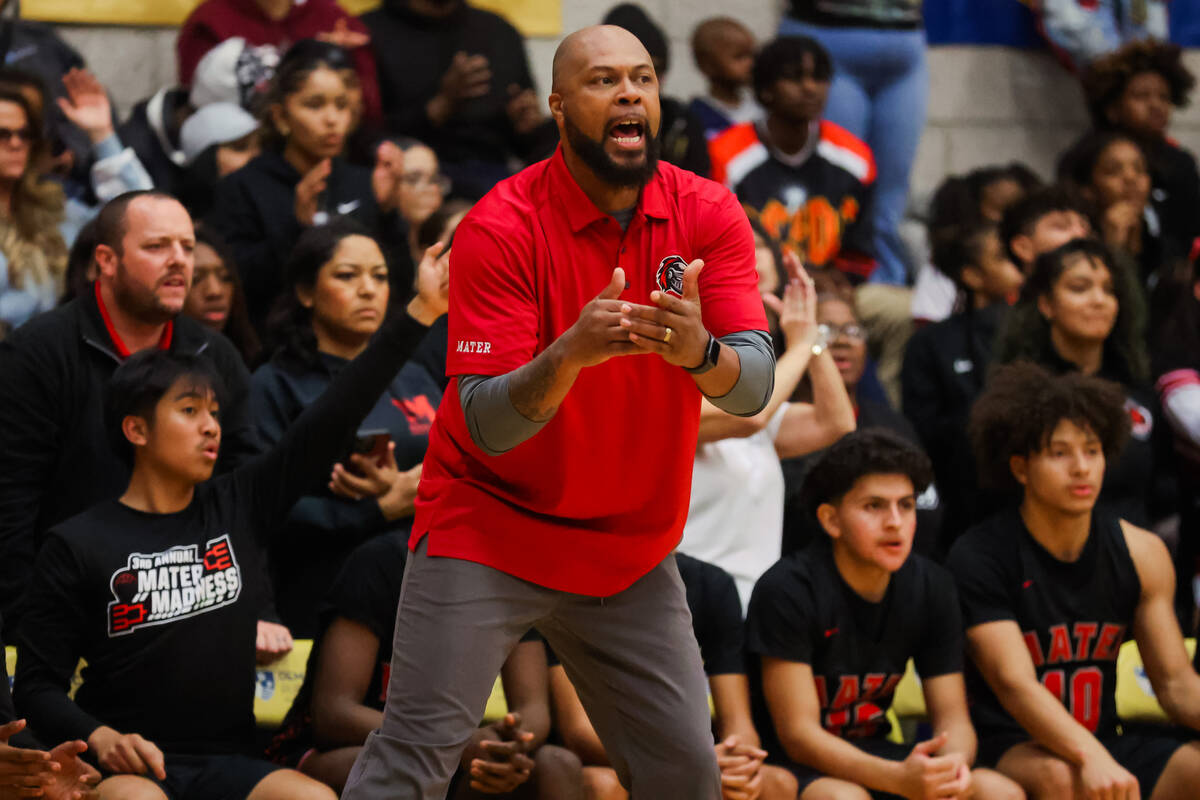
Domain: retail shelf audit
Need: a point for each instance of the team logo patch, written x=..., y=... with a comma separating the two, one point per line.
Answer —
x=670, y=275
x=1141, y=421
x=157, y=588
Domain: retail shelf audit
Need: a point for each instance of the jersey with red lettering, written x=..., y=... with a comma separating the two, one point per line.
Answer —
x=1073, y=615
x=803, y=611
x=813, y=202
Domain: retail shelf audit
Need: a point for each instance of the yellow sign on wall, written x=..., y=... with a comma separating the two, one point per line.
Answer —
x=532, y=17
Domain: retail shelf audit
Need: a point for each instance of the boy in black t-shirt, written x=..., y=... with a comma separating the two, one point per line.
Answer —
x=833, y=628
x=345, y=689
x=1052, y=588
x=712, y=598
x=157, y=589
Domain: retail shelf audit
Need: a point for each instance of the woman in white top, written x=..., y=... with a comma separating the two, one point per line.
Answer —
x=735, y=519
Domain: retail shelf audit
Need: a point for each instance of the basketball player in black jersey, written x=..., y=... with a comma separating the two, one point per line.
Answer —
x=1051, y=588
x=833, y=626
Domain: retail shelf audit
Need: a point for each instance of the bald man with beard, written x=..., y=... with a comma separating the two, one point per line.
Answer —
x=596, y=297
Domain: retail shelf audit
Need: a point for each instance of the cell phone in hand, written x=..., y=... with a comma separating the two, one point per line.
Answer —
x=372, y=444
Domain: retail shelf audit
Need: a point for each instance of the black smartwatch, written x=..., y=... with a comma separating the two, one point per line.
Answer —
x=712, y=353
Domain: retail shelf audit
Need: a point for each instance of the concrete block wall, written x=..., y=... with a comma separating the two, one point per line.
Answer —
x=987, y=104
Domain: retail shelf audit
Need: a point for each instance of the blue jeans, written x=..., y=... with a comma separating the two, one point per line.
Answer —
x=879, y=93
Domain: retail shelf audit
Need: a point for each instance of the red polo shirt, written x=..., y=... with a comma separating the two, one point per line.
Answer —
x=598, y=497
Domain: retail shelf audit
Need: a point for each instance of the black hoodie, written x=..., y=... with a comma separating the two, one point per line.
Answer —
x=55, y=457
x=254, y=211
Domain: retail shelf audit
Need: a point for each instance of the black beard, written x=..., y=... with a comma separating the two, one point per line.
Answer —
x=138, y=302
x=593, y=154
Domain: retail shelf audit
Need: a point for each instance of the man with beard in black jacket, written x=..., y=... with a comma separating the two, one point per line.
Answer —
x=456, y=77
x=55, y=459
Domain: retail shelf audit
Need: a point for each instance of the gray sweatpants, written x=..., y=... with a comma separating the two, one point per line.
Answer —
x=632, y=657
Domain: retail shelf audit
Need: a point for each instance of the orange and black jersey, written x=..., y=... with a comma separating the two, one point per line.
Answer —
x=813, y=202
x=802, y=611
x=1073, y=615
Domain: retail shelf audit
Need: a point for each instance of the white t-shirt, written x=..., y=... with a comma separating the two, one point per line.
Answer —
x=735, y=519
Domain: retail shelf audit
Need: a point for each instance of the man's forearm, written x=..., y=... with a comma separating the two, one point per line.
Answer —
x=1049, y=723
x=960, y=738
x=538, y=388
x=503, y=411
x=345, y=724
x=1180, y=698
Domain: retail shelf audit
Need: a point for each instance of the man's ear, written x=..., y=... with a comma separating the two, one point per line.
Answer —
x=136, y=430
x=1019, y=465
x=106, y=260
x=556, y=106
x=828, y=517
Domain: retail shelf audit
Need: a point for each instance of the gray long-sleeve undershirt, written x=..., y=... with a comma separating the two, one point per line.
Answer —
x=496, y=426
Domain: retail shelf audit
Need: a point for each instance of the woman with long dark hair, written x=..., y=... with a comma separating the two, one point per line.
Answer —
x=301, y=179
x=1081, y=311
x=338, y=294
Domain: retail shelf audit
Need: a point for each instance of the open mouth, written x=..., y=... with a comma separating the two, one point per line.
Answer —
x=628, y=132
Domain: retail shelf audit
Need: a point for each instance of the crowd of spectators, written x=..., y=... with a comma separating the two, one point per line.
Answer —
x=223, y=337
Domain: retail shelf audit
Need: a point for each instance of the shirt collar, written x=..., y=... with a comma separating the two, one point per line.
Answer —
x=580, y=209
x=164, y=341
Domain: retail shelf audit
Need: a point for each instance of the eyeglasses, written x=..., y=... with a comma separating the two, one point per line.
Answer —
x=415, y=179
x=850, y=330
x=21, y=135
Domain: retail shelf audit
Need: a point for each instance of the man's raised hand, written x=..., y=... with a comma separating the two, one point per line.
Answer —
x=672, y=327
x=598, y=334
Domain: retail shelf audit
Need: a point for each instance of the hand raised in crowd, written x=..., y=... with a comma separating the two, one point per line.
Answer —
x=597, y=334
x=499, y=767
x=394, y=490
x=928, y=776
x=272, y=642
x=673, y=327
x=308, y=191
x=797, y=311
x=126, y=753
x=433, y=285
x=388, y=174
x=86, y=105
x=75, y=779
x=342, y=36
x=741, y=769
x=22, y=771
x=523, y=110
x=469, y=76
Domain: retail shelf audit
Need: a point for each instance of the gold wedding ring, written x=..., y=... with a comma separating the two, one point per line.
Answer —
x=667, y=336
